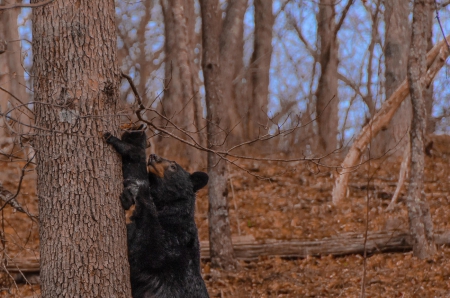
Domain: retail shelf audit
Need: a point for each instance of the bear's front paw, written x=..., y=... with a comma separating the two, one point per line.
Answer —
x=107, y=136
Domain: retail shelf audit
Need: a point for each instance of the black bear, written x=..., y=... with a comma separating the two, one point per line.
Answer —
x=132, y=149
x=163, y=246
x=164, y=254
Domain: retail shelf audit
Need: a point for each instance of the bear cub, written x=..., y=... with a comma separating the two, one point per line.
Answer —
x=132, y=149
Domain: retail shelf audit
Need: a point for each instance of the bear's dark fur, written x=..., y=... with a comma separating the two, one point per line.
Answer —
x=163, y=246
x=132, y=149
x=164, y=253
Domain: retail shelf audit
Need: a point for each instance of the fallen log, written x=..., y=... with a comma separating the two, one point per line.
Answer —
x=344, y=244
x=247, y=248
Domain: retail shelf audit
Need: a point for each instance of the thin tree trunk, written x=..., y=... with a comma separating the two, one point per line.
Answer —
x=222, y=254
x=396, y=17
x=83, y=244
x=231, y=52
x=260, y=66
x=327, y=95
x=420, y=224
x=428, y=91
x=145, y=67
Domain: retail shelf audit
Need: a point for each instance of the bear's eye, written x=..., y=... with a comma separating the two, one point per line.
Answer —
x=173, y=167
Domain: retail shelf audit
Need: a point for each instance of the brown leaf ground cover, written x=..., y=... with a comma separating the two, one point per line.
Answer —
x=295, y=203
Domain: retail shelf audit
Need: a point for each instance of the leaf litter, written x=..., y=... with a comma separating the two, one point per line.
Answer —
x=295, y=205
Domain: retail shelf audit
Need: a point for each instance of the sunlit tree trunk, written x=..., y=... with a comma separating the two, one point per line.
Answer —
x=222, y=254
x=83, y=244
x=327, y=96
x=420, y=224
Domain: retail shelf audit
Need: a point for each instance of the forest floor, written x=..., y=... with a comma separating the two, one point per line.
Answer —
x=295, y=203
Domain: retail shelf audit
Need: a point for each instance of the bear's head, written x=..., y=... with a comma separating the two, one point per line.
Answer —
x=169, y=182
x=134, y=135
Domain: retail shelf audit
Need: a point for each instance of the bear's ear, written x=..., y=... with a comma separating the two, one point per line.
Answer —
x=199, y=180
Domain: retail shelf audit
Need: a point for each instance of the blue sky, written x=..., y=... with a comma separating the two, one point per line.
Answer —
x=291, y=74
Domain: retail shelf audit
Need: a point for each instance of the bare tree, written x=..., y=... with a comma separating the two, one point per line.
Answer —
x=256, y=118
x=232, y=45
x=420, y=224
x=327, y=92
x=396, y=48
x=182, y=99
x=76, y=82
x=222, y=253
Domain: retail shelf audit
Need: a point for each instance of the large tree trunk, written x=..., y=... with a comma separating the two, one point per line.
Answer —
x=260, y=66
x=326, y=96
x=82, y=225
x=397, y=36
x=11, y=78
x=420, y=224
x=222, y=254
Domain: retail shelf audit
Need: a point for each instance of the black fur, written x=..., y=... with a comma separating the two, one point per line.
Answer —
x=163, y=246
x=132, y=149
x=167, y=264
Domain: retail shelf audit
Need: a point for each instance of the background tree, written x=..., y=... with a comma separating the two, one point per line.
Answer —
x=221, y=248
x=396, y=19
x=420, y=223
x=82, y=226
x=181, y=102
x=327, y=98
x=12, y=81
x=256, y=117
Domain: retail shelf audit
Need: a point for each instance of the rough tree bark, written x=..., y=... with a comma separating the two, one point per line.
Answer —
x=420, y=224
x=435, y=60
x=76, y=82
x=327, y=95
x=11, y=77
x=396, y=56
x=256, y=119
x=222, y=254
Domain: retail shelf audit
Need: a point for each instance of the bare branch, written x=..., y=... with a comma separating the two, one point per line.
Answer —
x=28, y=5
x=18, y=99
x=343, y=15
x=440, y=25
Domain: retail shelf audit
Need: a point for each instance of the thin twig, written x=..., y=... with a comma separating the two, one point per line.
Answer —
x=440, y=25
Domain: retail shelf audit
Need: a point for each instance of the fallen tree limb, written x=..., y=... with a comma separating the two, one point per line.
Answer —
x=435, y=60
x=250, y=249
